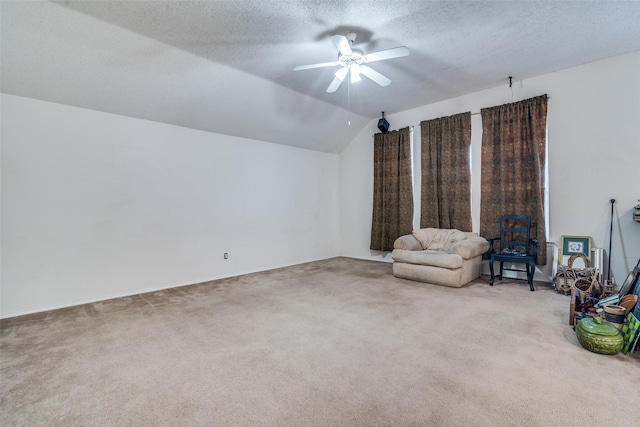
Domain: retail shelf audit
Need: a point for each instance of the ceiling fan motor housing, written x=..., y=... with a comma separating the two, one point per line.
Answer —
x=356, y=58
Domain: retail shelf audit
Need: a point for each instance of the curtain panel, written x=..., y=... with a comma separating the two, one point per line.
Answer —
x=392, y=189
x=513, y=165
x=446, y=177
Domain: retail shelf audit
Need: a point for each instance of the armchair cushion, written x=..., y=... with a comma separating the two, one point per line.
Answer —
x=470, y=247
x=438, y=239
x=428, y=257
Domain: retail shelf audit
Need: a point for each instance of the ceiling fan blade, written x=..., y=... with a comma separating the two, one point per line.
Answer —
x=374, y=75
x=342, y=43
x=340, y=75
x=319, y=65
x=396, y=52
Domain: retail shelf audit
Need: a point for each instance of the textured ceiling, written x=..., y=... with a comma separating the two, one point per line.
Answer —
x=226, y=66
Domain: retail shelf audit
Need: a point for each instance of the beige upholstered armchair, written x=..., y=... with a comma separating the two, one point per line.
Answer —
x=445, y=257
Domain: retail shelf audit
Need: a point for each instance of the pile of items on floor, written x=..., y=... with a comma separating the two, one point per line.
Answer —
x=605, y=321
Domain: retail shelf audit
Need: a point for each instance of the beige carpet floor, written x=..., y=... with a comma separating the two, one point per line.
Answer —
x=339, y=342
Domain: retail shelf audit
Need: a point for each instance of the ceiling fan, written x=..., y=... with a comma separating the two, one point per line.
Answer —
x=353, y=62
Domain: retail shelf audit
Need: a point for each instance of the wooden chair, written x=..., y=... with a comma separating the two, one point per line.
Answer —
x=514, y=246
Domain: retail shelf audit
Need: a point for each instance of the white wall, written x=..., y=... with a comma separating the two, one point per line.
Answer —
x=96, y=205
x=594, y=156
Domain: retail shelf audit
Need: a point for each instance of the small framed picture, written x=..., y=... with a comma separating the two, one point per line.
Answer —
x=576, y=244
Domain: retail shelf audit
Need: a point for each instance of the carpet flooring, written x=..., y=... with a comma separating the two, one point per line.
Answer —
x=338, y=342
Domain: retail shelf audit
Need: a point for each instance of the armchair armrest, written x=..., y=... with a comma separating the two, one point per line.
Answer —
x=470, y=248
x=408, y=242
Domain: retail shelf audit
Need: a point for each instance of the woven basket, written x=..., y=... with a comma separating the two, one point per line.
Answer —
x=564, y=279
x=586, y=287
x=567, y=275
x=587, y=271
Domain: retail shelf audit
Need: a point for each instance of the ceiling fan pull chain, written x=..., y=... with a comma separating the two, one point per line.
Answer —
x=349, y=102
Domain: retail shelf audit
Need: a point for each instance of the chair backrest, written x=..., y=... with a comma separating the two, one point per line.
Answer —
x=515, y=232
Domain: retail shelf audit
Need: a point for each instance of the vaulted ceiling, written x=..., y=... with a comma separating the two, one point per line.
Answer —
x=226, y=66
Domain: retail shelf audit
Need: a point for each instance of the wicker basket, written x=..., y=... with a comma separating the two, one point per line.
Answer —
x=586, y=287
x=567, y=275
x=564, y=279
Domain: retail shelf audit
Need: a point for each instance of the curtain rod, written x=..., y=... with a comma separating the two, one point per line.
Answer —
x=475, y=114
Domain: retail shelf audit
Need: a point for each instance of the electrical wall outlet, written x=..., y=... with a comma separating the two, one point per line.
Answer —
x=226, y=255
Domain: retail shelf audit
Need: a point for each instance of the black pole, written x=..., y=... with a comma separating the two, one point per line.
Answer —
x=610, y=238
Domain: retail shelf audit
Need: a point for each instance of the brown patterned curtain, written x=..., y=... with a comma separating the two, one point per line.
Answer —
x=513, y=165
x=446, y=178
x=392, y=189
